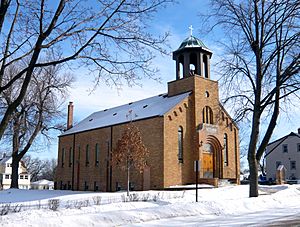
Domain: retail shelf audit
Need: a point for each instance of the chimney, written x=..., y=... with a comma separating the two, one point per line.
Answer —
x=70, y=115
x=298, y=130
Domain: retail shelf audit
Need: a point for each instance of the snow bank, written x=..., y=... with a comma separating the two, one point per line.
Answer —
x=214, y=204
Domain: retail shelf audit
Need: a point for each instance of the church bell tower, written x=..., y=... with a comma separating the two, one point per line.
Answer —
x=192, y=62
x=192, y=57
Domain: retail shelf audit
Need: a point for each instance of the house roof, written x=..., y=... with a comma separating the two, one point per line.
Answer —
x=7, y=159
x=280, y=141
x=4, y=160
x=146, y=108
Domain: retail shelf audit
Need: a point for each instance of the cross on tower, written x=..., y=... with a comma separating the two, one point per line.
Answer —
x=191, y=28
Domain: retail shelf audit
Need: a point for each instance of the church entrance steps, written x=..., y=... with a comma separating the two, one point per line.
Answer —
x=226, y=182
x=210, y=181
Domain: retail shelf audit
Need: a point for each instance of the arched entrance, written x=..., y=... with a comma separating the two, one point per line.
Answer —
x=212, y=158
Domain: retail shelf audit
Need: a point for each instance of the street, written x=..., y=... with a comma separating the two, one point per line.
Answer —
x=276, y=217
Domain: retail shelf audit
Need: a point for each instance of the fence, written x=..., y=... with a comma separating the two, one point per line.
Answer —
x=56, y=203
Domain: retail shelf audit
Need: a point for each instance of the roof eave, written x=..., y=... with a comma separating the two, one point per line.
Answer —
x=178, y=51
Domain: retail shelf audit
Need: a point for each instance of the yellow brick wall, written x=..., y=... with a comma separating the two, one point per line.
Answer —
x=152, y=134
x=64, y=173
x=177, y=173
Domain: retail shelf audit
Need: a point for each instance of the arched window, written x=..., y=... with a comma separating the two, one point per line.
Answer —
x=78, y=153
x=205, y=66
x=235, y=142
x=180, y=144
x=87, y=156
x=70, y=157
x=180, y=66
x=225, y=159
x=207, y=115
x=63, y=157
x=193, y=63
x=97, y=154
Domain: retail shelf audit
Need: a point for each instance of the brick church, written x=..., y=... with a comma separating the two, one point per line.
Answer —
x=185, y=124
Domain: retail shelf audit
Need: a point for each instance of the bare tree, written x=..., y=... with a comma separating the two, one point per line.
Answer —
x=261, y=65
x=48, y=172
x=109, y=38
x=38, y=113
x=34, y=166
x=40, y=169
x=130, y=152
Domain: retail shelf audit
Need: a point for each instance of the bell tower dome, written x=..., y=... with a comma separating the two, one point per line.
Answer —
x=192, y=68
x=192, y=58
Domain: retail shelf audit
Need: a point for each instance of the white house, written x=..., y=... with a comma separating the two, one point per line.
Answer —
x=284, y=151
x=42, y=185
x=6, y=171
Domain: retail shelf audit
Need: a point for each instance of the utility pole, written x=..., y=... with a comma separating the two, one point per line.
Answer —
x=196, y=169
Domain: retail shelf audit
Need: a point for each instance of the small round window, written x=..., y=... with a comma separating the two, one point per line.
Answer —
x=206, y=94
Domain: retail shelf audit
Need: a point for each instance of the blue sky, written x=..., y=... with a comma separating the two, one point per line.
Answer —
x=174, y=19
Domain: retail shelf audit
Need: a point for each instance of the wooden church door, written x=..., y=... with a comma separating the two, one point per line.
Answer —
x=208, y=163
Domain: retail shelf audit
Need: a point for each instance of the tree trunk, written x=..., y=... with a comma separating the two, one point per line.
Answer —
x=15, y=172
x=15, y=157
x=253, y=166
x=252, y=161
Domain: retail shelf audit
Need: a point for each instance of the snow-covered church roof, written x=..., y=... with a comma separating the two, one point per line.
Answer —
x=146, y=108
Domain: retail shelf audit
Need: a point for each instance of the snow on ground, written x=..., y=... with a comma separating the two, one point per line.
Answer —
x=224, y=206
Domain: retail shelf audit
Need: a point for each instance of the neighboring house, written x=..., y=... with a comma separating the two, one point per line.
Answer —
x=284, y=151
x=187, y=123
x=6, y=171
x=42, y=185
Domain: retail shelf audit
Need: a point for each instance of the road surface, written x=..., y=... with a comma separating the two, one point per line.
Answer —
x=276, y=217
